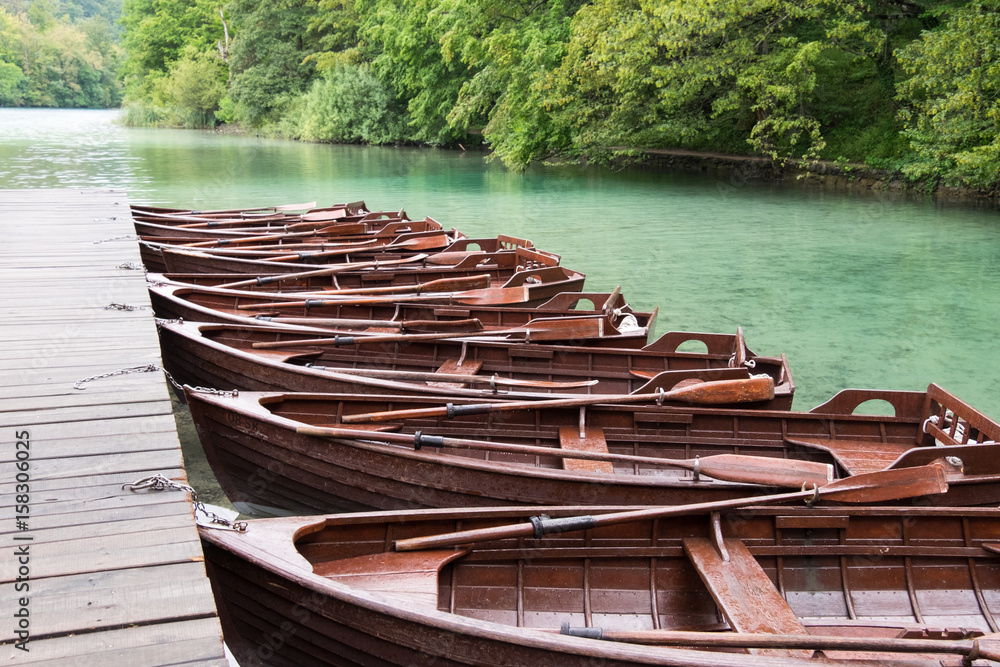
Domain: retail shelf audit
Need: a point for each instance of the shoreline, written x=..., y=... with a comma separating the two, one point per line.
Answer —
x=824, y=174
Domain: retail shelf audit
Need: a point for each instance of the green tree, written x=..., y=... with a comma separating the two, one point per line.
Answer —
x=11, y=81
x=509, y=50
x=156, y=34
x=195, y=86
x=270, y=60
x=406, y=36
x=349, y=105
x=951, y=112
x=647, y=73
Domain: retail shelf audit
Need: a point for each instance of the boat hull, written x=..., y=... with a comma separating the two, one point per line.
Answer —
x=853, y=573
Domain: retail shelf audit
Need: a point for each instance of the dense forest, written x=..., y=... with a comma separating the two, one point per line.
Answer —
x=60, y=53
x=909, y=86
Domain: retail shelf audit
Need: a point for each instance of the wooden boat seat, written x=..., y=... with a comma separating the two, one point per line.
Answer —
x=856, y=456
x=451, y=366
x=745, y=595
x=410, y=578
x=593, y=441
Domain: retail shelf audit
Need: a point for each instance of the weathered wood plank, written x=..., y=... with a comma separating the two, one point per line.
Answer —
x=111, y=481
x=116, y=575
x=171, y=643
x=138, y=462
x=106, y=510
x=152, y=598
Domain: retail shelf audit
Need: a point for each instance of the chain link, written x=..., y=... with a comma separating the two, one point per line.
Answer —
x=124, y=306
x=127, y=237
x=160, y=483
x=201, y=390
x=149, y=368
x=132, y=266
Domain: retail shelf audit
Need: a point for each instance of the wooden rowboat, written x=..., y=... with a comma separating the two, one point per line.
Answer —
x=187, y=261
x=181, y=216
x=310, y=453
x=223, y=356
x=336, y=251
x=760, y=586
x=369, y=226
x=499, y=311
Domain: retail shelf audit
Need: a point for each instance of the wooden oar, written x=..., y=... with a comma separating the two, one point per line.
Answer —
x=471, y=324
x=414, y=244
x=565, y=329
x=328, y=271
x=986, y=647
x=333, y=231
x=493, y=296
x=457, y=284
x=455, y=377
x=765, y=470
x=871, y=487
x=312, y=249
x=441, y=285
x=716, y=392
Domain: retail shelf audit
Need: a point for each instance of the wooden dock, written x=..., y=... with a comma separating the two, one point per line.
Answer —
x=95, y=573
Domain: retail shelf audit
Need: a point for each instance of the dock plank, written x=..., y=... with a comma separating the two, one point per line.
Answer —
x=116, y=576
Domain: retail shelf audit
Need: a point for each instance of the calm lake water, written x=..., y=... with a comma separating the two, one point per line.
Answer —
x=859, y=290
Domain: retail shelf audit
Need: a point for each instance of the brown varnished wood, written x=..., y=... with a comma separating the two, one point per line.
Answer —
x=591, y=440
x=223, y=356
x=496, y=598
x=744, y=593
x=857, y=456
x=411, y=579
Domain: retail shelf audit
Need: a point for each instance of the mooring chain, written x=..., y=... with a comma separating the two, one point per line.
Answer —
x=131, y=266
x=124, y=306
x=127, y=237
x=201, y=390
x=160, y=483
x=151, y=368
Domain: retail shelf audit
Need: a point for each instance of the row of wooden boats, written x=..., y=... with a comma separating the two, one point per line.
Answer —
x=472, y=461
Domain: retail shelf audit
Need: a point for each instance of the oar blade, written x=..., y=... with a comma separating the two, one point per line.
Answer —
x=884, y=485
x=766, y=470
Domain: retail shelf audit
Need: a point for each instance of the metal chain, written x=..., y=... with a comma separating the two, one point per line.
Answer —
x=149, y=368
x=201, y=390
x=124, y=306
x=127, y=237
x=160, y=483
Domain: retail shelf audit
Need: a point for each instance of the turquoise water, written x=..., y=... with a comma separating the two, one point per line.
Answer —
x=859, y=290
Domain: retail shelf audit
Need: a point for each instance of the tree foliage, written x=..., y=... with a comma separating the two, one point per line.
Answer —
x=349, y=105
x=951, y=112
x=48, y=60
x=157, y=33
x=269, y=57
